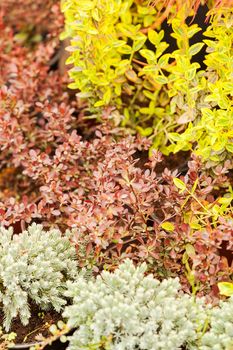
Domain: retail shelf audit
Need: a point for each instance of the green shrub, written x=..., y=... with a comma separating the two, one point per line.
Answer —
x=119, y=61
x=34, y=266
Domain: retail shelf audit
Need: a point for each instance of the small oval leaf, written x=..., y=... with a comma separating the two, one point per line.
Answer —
x=168, y=226
x=226, y=288
x=179, y=184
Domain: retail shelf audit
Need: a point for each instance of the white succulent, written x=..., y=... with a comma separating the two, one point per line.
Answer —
x=220, y=333
x=34, y=266
x=127, y=310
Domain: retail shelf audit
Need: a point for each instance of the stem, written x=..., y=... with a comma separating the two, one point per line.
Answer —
x=197, y=200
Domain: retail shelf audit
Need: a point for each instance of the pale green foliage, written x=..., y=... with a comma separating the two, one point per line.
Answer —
x=117, y=63
x=220, y=335
x=128, y=310
x=34, y=266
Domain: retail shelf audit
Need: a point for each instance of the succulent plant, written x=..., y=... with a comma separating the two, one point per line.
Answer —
x=220, y=333
x=127, y=310
x=34, y=267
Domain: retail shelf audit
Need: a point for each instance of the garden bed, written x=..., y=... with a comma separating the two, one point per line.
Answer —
x=40, y=321
x=116, y=173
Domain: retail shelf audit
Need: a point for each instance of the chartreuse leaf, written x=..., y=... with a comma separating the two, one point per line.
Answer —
x=194, y=49
x=168, y=226
x=155, y=37
x=226, y=288
x=148, y=54
x=160, y=79
x=179, y=184
x=145, y=131
x=190, y=250
x=229, y=147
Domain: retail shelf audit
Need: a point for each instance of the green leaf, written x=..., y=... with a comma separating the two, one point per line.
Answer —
x=163, y=61
x=73, y=86
x=161, y=79
x=148, y=54
x=155, y=37
x=194, y=49
x=126, y=50
x=174, y=136
x=60, y=324
x=21, y=37
x=179, y=184
x=139, y=42
x=145, y=132
x=53, y=329
x=118, y=43
x=190, y=250
x=195, y=226
x=225, y=200
x=149, y=95
x=190, y=74
x=107, y=96
x=194, y=29
x=222, y=121
x=83, y=94
x=229, y=147
x=168, y=226
x=150, y=68
x=99, y=103
x=63, y=339
x=226, y=288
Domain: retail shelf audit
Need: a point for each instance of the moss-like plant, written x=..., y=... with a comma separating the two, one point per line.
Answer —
x=126, y=310
x=220, y=330
x=34, y=267
x=120, y=59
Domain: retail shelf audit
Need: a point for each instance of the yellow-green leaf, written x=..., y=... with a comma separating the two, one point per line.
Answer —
x=190, y=250
x=145, y=132
x=125, y=49
x=161, y=79
x=168, y=226
x=99, y=103
x=155, y=37
x=195, y=226
x=225, y=200
x=229, y=147
x=194, y=49
x=226, y=288
x=179, y=184
x=148, y=54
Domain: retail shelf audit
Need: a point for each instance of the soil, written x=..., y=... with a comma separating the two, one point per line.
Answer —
x=39, y=323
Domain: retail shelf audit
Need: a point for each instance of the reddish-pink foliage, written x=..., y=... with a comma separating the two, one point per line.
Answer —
x=39, y=16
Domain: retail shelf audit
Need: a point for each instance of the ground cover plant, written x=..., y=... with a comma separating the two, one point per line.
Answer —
x=129, y=310
x=135, y=158
x=35, y=266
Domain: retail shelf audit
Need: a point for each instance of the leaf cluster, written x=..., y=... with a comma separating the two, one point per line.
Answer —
x=121, y=59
